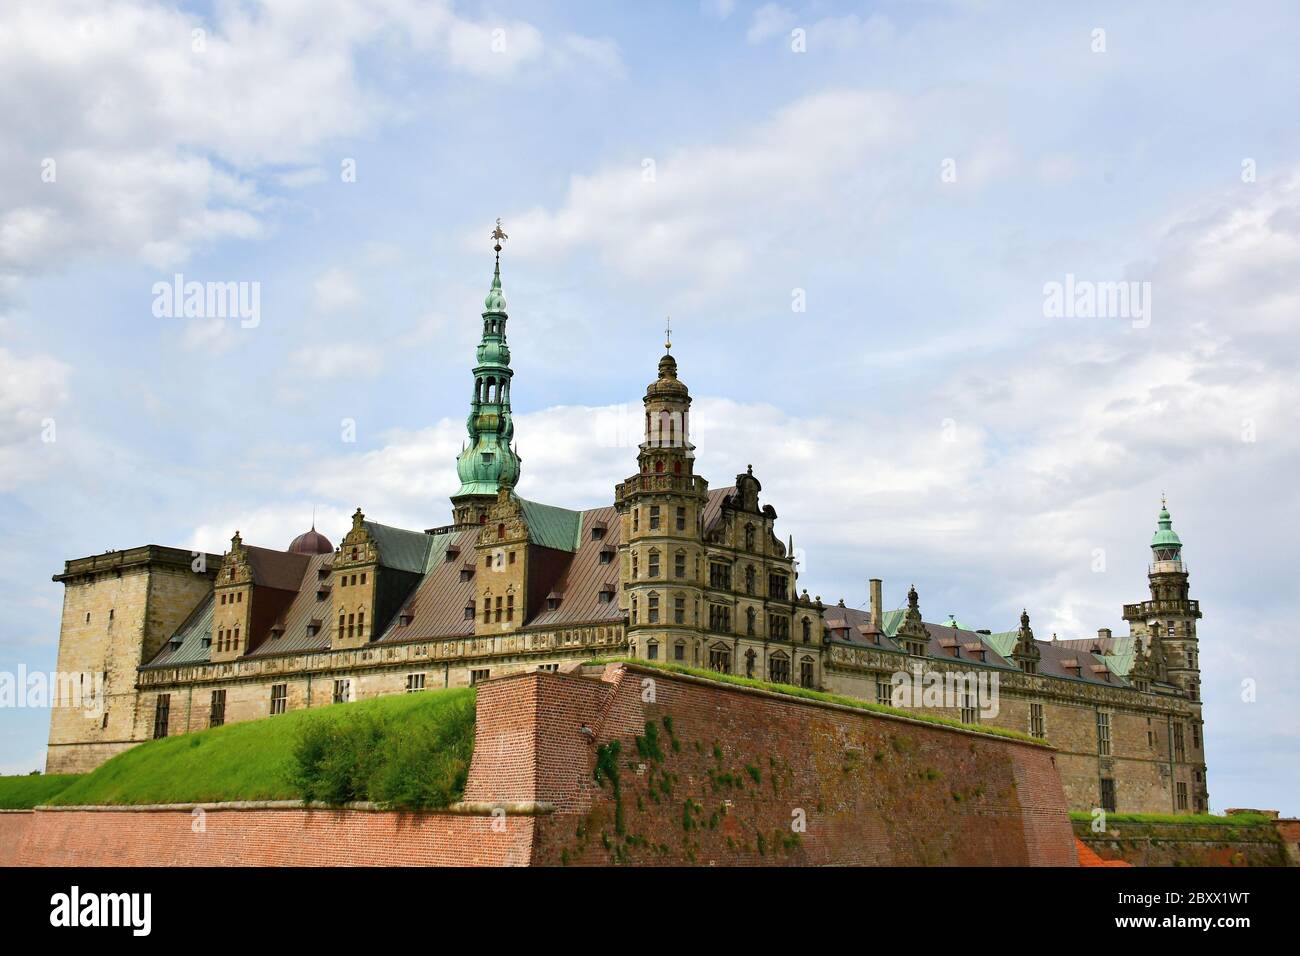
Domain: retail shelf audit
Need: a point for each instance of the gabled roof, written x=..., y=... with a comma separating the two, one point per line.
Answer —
x=307, y=606
x=552, y=527
x=580, y=585
x=400, y=549
x=713, y=507
x=276, y=569
x=187, y=644
x=437, y=603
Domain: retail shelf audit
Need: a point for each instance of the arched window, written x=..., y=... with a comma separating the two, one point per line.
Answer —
x=361, y=623
x=659, y=467
x=340, y=625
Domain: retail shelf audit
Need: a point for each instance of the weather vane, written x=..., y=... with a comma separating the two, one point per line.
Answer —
x=498, y=234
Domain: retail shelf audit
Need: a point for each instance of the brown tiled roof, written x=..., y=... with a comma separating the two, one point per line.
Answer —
x=307, y=606
x=585, y=577
x=713, y=508
x=437, y=605
x=276, y=569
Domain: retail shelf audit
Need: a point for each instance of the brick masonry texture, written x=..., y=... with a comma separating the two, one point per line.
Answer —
x=1187, y=844
x=260, y=838
x=719, y=775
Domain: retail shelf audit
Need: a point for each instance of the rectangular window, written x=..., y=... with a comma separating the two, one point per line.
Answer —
x=1108, y=795
x=652, y=651
x=884, y=690
x=720, y=618
x=778, y=670
x=478, y=676
x=487, y=610
x=510, y=607
x=636, y=519
x=681, y=519
x=654, y=517
x=720, y=576
x=1196, y=736
x=1103, y=733
x=414, y=682
x=161, y=715
x=1036, y=727
x=469, y=612
x=606, y=597
x=969, y=712
x=342, y=691
x=607, y=557
x=654, y=564
x=720, y=660
x=1181, y=791
x=498, y=609
x=217, y=709
x=679, y=651
x=1180, y=752
x=777, y=585
x=652, y=609
x=679, y=611
x=279, y=698
x=679, y=564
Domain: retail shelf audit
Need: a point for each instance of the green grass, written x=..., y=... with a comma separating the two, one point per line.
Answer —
x=789, y=690
x=1202, y=819
x=416, y=753
x=23, y=793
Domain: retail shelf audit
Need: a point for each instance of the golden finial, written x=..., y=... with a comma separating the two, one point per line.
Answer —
x=498, y=236
x=668, y=335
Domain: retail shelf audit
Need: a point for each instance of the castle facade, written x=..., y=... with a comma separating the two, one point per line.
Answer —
x=672, y=570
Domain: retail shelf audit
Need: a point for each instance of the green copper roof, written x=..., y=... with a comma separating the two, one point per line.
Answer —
x=401, y=549
x=1003, y=641
x=552, y=527
x=488, y=462
x=1165, y=536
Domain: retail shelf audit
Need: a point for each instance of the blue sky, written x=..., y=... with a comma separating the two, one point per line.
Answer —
x=923, y=420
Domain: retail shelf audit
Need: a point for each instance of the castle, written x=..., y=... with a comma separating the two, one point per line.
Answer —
x=672, y=570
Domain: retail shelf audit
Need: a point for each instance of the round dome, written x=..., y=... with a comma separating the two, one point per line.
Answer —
x=311, y=542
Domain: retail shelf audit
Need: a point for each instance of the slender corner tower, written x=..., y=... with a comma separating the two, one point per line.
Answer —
x=660, y=508
x=488, y=463
x=1167, y=622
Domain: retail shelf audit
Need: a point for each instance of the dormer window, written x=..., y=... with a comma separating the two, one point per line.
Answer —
x=607, y=556
x=598, y=531
x=553, y=600
x=467, y=572
x=277, y=632
x=469, y=611
x=453, y=552
x=405, y=618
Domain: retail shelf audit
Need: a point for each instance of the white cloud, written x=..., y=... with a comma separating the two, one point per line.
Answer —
x=33, y=391
x=332, y=360
x=336, y=291
x=769, y=20
x=179, y=130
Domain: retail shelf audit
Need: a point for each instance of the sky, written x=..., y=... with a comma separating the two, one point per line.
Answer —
x=855, y=215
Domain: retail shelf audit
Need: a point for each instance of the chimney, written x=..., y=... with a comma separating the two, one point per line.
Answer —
x=1103, y=633
x=877, y=609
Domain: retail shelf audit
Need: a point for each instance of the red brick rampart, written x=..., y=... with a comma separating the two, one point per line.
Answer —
x=691, y=771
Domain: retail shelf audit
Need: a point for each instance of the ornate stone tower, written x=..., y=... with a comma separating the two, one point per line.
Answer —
x=488, y=463
x=660, y=507
x=1166, y=624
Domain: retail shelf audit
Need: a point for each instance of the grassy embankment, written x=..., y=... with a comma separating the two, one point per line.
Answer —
x=408, y=750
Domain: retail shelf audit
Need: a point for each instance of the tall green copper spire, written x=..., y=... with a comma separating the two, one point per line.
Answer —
x=488, y=463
